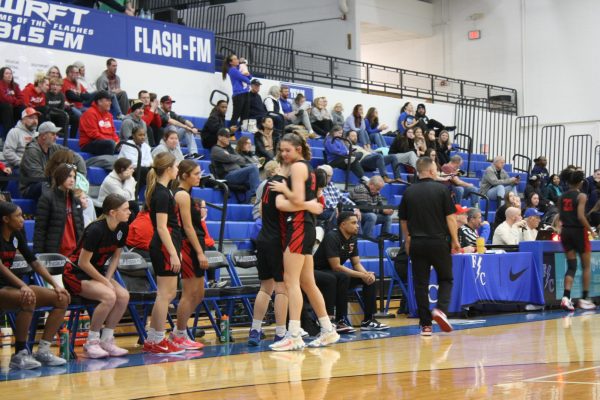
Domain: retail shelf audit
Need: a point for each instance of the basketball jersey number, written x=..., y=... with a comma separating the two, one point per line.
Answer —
x=313, y=181
x=567, y=205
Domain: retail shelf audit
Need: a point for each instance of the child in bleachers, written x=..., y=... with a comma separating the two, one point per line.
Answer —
x=165, y=249
x=16, y=295
x=88, y=275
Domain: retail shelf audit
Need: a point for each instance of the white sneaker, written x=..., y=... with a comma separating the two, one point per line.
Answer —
x=566, y=304
x=47, y=358
x=288, y=343
x=23, y=360
x=325, y=339
x=303, y=333
x=585, y=304
x=92, y=349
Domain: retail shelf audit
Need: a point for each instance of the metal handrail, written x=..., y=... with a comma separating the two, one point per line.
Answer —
x=138, y=172
x=469, y=148
x=527, y=160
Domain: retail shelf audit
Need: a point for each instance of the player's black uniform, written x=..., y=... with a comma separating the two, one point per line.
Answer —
x=300, y=225
x=269, y=242
x=573, y=234
x=190, y=266
x=163, y=202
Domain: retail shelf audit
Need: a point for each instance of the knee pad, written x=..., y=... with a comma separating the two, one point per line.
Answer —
x=571, y=268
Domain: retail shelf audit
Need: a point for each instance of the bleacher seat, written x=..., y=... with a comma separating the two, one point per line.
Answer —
x=235, y=212
x=233, y=229
x=29, y=226
x=28, y=206
x=96, y=175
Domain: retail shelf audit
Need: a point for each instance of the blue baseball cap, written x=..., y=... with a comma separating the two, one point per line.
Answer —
x=532, y=212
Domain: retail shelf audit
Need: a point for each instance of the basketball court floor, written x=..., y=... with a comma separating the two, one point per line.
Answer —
x=542, y=355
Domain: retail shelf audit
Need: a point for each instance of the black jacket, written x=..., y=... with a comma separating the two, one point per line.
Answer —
x=210, y=129
x=50, y=220
x=261, y=150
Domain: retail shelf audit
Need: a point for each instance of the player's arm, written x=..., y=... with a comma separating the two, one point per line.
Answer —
x=581, y=201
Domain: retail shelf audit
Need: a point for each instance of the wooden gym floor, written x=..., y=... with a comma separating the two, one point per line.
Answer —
x=549, y=355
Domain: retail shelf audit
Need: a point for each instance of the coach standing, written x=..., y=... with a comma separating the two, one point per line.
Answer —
x=429, y=226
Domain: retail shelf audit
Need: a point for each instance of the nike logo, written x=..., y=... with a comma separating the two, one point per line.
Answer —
x=514, y=277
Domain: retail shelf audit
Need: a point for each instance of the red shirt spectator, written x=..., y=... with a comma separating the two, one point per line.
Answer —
x=34, y=94
x=10, y=92
x=97, y=124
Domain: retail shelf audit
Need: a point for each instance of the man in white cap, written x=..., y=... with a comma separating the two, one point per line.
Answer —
x=36, y=156
x=19, y=136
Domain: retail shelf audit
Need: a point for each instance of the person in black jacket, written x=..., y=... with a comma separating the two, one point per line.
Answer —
x=59, y=217
x=267, y=139
x=215, y=121
x=403, y=147
x=257, y=108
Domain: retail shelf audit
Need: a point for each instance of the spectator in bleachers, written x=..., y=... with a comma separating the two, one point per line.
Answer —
x=215, y=121
x=40, y=160
x=552, y=191
x=139, y=140
x=151, y=117
x=510, y=200
x=232, y=167
x=89, y=212
x=240, y=83
x=511, y=231
x=19, y=137
x=430, y=139
x=243, y=147
x=591, y=188
x=11, y=99
x=133, y=122
x=534, y=187
x=74, y=91
x=119, y=181
x=374, y=128
x=266, y=139
x=425, y=123
x=302, y=109
x=533, y=218
x=540, y=169
x=373, y=160
x=443, y=146
x=461, y=220
x=470, y=231
x=92, y=279
x=496, y=181
x=406, y=119
x=89, y=86
x=169, y=143
x=271, y=169
x=295, y=116
x=60, y=113
x=54, y=73
x=431, y=153
x=34, y=95
x=420, y=146
x=366, y=195
x=320, y=118
x=4, y=171
x=338, y=153
x=337, y=118
x=355, y=122
x=109, y=81
x=17, y=296
x=273, y=107
x=184, y=128
x=59, y=216
x=460, y=188
x=333, y=199
x=97, y=134
x=338, y=246
x=593, y=215
x=256, y=107
x=403, y=147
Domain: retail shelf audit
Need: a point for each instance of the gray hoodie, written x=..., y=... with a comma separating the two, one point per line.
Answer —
x=131, y=124
x=16, y=141
x=162, y=147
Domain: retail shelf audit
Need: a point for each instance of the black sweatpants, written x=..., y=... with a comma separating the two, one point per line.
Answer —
x=335, y=286
x=241, y=108
x=355, y=167
x=424, y=253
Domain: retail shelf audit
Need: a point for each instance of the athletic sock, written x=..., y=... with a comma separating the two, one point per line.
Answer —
x=44, y=346
x=567, y=294
x=280, y=330
x=586, y=294
x=107, y=334
x=181, y=333
x=325, y=324
x=93, y=335
x=257, y=324
x=151, y=334
x=294, y=327
x=159, y=336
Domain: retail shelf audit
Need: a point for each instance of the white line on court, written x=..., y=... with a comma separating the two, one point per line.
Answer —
x=561, y=373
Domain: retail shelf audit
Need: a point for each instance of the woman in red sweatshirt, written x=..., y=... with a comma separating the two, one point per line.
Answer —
x=97, y=134
x=11, y=100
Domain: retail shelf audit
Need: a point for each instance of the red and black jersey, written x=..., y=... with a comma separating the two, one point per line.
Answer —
x=8, y=250
x=196, y=213
x=101, y=242
x=567, y=205
x=163, y=202
x=310, y=193
x=273, y=221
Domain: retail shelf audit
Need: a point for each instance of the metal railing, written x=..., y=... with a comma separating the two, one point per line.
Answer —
x=458, y=138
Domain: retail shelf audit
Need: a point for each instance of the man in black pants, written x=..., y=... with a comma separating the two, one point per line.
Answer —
x=429, y=228
x=337, y=247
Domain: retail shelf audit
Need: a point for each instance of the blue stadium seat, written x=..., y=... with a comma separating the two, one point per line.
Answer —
x=249, y=136
x=96, y=175
x=235, y=212
x=28, y=206
x=233, y=229
x=73, y=144
x=391, y=190
x=207, y=194
x=13, y=189
x=317, y=151
x=29, y=227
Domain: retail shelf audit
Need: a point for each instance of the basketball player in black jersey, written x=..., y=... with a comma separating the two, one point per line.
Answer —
x=300, y=238
x=574, y=236
x=193, y=260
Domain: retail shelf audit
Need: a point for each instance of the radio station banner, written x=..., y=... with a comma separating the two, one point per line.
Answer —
x=295, y=89
x=64, y=27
